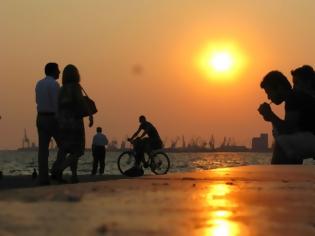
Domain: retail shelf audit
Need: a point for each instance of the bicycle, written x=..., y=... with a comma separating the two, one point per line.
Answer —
x=157, y=160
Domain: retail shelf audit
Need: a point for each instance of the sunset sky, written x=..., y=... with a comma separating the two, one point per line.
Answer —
x=143, y=57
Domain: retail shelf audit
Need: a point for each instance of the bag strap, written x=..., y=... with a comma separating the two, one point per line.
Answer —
x=84, y=91
x=87, y=97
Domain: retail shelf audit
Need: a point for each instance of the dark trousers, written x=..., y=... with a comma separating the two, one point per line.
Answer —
x=47, y=128
x=99, y=153
x=141, y=146
x=145, y=145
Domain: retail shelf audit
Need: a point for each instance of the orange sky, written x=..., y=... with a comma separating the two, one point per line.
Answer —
x=104, y=39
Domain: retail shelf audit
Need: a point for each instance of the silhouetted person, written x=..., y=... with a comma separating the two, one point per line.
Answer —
x=72, y=134
x=148, y=141
x=297, y=127
x=47, y=91
x=304, y=80
x=99, y=151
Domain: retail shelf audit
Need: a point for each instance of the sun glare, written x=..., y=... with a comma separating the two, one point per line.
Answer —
x=221, y=62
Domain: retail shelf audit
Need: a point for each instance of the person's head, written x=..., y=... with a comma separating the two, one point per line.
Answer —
x=303, y=78
x=276, y=86
x=99, y=130
x=142, y=119
x=52, y=69
x=70, y=75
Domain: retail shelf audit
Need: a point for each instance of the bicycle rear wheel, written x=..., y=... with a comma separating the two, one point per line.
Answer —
x=126, y=160
x=160, y=163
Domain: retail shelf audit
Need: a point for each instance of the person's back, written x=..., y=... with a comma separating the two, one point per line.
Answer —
x=300, y=144
x=99, y=151
x=304, y=89
x=100, y=139
x=70, y=99
x=151, y=131
x=47, y=90
x=306, y=107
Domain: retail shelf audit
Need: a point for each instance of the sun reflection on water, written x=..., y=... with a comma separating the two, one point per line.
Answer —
x=219, y=220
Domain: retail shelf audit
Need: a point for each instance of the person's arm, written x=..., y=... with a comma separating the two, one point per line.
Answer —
x=93, y=140
x=36, y=95
x=135, y=134
x=91, y=120
x=143, y=134
x=54, y=93
x=288, y=125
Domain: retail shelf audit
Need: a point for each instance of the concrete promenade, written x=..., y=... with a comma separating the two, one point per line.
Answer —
x=245, y=201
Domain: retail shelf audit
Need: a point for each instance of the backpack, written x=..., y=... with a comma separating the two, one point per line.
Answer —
x=134, y=172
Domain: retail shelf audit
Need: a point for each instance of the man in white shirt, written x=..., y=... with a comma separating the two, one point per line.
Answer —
x=99, y=151
x=47, y=91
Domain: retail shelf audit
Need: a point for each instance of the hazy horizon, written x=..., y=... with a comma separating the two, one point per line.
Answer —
x=106, y=40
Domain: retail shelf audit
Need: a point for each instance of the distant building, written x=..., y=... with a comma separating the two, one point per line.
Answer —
x=260, y=144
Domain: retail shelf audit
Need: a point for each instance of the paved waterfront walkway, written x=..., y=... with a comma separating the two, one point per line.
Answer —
x=252, y=200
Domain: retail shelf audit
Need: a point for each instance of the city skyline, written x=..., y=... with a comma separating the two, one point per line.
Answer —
x=179, y=143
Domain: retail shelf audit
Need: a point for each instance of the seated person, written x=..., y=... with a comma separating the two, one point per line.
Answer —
x=295, y=139
x=148, y=141
x=304, y=80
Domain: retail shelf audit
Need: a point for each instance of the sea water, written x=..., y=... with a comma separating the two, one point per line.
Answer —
x=23, y=162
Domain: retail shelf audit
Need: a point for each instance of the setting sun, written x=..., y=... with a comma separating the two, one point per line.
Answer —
x=221, y=61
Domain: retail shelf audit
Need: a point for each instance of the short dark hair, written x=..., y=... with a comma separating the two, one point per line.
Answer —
x=70, y=75
x=275, y=79
x=142, y=117
x=305, y=73
x=51, y=68
x=99, y=129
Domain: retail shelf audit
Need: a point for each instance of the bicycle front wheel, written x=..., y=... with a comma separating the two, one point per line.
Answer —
x=160, y=163
x=125, y=161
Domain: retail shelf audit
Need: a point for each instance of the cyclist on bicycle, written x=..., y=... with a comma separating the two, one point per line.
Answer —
x=148, y=141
